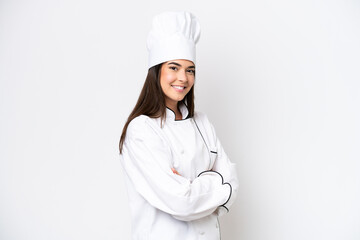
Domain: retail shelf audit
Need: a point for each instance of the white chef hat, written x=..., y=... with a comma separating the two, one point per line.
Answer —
x=173, y=36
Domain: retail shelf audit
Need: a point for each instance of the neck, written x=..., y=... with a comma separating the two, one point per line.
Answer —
x=175, y=109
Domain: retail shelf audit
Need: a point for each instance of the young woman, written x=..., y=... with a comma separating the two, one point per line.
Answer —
x=178, y=176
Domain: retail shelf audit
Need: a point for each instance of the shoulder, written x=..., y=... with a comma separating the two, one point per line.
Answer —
x=205, y=126
x=142, y=126
x=201, y=117
x=139, y=121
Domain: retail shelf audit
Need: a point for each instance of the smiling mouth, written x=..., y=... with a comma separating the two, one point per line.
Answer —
x=178, y=87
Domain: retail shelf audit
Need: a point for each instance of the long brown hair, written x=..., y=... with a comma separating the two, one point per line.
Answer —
x=151, y=101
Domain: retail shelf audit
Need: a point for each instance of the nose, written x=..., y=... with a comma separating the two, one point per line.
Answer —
x=182, y=76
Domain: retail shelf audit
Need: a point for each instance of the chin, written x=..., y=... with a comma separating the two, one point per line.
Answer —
x=178, y=98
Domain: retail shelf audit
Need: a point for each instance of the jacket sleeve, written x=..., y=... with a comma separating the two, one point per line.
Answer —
x=147, y=161
x=224, y=166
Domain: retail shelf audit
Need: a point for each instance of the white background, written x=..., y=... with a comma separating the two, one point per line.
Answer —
x=279, y=80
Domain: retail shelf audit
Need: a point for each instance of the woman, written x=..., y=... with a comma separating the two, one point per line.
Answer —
x=178, y=176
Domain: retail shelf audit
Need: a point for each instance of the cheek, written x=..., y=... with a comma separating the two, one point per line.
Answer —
x=166, y=78
x=169, y=77
x=191, y=82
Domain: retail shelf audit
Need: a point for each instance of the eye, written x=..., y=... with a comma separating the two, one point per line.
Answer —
x=192, y=71
x=173, y=68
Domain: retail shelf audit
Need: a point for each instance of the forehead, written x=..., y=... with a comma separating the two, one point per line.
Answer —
x=181, y=62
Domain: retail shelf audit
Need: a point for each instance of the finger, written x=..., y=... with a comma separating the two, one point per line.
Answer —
x=174, y=171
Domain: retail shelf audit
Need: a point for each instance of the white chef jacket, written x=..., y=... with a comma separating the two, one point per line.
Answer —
x=166, y=206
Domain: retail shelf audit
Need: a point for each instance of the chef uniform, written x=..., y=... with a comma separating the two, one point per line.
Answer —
x=164, y=205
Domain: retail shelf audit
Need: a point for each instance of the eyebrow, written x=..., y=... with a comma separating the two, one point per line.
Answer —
x=179, y=65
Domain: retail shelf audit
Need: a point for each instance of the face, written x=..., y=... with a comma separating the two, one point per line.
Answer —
x=176, y=79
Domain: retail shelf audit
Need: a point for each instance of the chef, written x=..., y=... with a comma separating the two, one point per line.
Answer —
x=179, y=178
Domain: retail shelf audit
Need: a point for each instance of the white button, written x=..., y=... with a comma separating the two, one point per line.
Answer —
x=202, y=233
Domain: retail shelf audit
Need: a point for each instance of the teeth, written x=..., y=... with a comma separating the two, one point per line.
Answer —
x=178, y=87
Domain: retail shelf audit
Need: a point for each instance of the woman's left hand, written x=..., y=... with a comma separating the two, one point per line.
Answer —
x=174, y=171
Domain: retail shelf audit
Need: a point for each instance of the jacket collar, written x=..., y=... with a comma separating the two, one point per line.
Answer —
x=170, y=114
